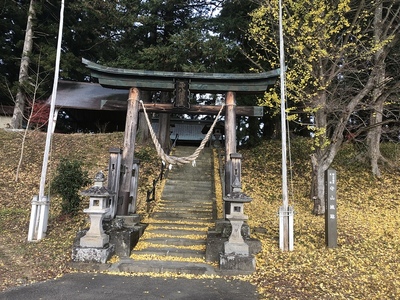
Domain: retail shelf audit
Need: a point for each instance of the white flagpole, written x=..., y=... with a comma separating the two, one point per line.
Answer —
x=285, y=212
x=39, y=223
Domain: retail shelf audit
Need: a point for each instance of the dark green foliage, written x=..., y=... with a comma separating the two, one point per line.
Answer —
x=70, y=178
x=144, y=154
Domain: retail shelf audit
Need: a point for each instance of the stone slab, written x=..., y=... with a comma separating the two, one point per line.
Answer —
x=176, y=267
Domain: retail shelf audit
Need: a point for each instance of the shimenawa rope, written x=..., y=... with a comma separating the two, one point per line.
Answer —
x=174, y=160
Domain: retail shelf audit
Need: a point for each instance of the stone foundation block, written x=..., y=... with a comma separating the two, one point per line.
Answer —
x=128, y=221
x=93, y=255
x=215, y=246
x=237, y=264
x=125, y=239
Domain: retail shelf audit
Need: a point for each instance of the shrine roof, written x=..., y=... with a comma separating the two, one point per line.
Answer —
x=120, y=78
x=92, y=96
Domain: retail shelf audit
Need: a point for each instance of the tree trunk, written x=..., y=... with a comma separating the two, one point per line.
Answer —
x=374, y=134
x=18, y=115
x=374, y=137
x=319, y=159
x=318, y=185
x=143, y=135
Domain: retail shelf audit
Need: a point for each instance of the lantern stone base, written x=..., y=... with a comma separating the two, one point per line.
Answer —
x=92, y=255
x=235, y=264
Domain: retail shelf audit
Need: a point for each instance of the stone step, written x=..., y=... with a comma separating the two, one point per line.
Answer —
x=173, y=233
x=185, y=204
x=189, y=150
x=200, y=162
x=197, y=226
x=176, y=241
x=182, y=216
x=203, y=213
x=205, y=164
x=188, y=202
x=200, y=169
x=191, y=177
x=171, y=251
x=189, y=194
x=188, y=189
x=198, y=183
x=180, y=221
x=167, y=199
x=180, y=210
x=157, y=266
x=194, y=198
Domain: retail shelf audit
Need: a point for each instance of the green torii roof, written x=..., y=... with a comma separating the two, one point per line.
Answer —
x=198, y=82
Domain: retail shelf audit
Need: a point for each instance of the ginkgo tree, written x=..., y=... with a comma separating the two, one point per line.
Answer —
x=386, y=24
x=331, y=72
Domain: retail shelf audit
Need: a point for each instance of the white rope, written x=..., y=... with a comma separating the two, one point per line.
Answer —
x=174, y=160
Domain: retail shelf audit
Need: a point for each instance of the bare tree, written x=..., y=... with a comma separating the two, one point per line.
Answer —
x=19, y=108
x=34, y=92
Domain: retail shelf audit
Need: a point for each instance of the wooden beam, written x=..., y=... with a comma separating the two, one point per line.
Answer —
x=251, y=111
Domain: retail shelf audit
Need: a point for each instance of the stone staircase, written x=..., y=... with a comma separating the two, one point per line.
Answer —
x=175, y=239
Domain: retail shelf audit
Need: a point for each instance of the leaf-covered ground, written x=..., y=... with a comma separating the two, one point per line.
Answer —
x=366, y=263
x=364, y=266
x=22, y=262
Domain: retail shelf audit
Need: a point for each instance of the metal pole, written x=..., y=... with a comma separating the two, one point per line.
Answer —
x=43, y=210
x=285, y=213
x=283, y=110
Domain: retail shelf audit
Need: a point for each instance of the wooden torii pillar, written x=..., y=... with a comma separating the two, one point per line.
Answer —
x=128, y=151
x=230, y=142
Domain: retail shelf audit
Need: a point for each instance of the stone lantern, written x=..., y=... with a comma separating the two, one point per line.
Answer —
x=98, y=208
x=236, y=244
x=236, y=255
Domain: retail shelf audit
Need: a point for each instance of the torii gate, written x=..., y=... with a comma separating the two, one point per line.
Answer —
x=181, y=82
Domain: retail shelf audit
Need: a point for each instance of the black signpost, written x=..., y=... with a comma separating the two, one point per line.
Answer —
x=330, y=209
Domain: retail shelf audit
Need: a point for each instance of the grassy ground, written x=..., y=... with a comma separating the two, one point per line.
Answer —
x=365, y=265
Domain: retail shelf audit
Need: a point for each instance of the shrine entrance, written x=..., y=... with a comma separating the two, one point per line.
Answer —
x=181, y=84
